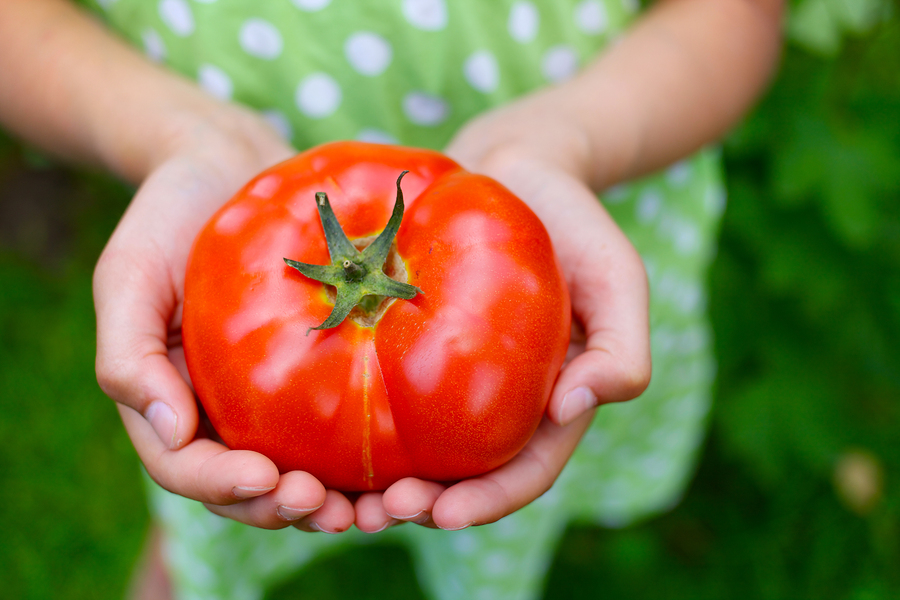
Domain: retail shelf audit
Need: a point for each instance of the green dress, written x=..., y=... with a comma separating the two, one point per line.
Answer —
x=413, y=72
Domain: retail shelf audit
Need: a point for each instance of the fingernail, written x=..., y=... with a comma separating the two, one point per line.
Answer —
x=575, y=403
x=419, y=517
x=469, y=524
x=292, y=514
x=164, y=422
x=245, y=492
x=313, y=526
x=390, y=523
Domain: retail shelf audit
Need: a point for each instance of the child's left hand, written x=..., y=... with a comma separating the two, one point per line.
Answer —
x=537, y=159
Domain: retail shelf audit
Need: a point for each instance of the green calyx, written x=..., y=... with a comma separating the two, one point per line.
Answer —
x=356, y=275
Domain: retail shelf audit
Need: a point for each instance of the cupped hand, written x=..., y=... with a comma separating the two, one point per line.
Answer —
x=533, y=149
x=138, y=293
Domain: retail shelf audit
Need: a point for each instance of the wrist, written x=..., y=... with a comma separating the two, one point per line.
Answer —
x=183, y=120
x=536, y=128
x=584, y=128
x=100, y=102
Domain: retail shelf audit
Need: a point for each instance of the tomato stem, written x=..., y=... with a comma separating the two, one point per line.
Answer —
x=355, y=274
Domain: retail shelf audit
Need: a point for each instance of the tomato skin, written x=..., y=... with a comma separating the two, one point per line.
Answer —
x=448, y=385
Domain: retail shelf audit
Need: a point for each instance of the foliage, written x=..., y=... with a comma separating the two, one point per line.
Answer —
x=74, y=507
x=796, y=496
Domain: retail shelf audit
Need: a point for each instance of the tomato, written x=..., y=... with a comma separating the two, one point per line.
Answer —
x=445, y=385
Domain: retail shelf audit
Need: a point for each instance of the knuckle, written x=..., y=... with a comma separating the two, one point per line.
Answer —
x=636, y=380
x=112, y=376
x=105, y=268
x=121, y=378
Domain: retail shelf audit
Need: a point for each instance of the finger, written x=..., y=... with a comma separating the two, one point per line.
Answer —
x=133, y=366
x=609, y=293
x=529, y=474
x=202, y=470
x=612, y=305
x=412, y=500
x=607, y=284
x=297, y=495
x=335, y=516
x=370, y=514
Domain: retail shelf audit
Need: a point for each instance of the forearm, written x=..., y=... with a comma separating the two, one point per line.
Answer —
x=680, y=79
x=676, y=81
x=73, y=89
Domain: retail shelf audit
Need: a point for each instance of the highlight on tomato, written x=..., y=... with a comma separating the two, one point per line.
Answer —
x=367, y=313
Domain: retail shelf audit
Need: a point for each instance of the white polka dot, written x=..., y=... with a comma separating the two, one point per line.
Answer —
x=489, y=592
x=154, y=47
x=368, y=53
x=590, y=17
x=679, y=173
x=201, y=574
x=651, y=268
x=666, y=227
x=714, y=200
x=177, y=16
x=663, y=340
x=428, y=15
x=560, y=63
x=683, y=233
x=687, y=296
x=699, y=370
x=318, y=95
x=668, y=285
x=524, y=21
x=215, y=81
x=453, y=584
x=508, y=527
x=631, y=6
x=311, y=5
x=667, y=439
x=376, y=136
x=261, y=39
x=464, y=542
x=551, y=497
x=106, y=4
x=497, y=563
x=693, y=340
x=482, y=72
x=205, y=1
x=279, y=123
x=648, y=206
x=687, y=238
x=691, y=297
x=595, y=442
x=425, y=109
x=617, y=194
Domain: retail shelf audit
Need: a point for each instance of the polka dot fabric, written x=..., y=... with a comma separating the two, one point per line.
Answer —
x=413, y=72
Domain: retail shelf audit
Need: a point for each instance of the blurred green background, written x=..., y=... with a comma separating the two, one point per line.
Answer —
x=797, y=493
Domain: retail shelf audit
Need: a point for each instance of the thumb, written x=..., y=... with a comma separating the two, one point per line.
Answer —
x=610, y=360
x=134, y=298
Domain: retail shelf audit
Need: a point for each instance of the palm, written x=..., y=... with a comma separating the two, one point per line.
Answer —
x=609, y=298
x=139, y=290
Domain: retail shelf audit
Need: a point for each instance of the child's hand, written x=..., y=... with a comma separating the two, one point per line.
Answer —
x=678, y=80
x=544, y=162
x=138, y=290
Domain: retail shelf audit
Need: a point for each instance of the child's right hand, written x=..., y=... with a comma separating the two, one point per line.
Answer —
x=71, y=88
x=138, y=292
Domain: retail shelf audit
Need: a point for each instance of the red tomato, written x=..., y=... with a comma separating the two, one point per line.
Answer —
x=447, y=385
